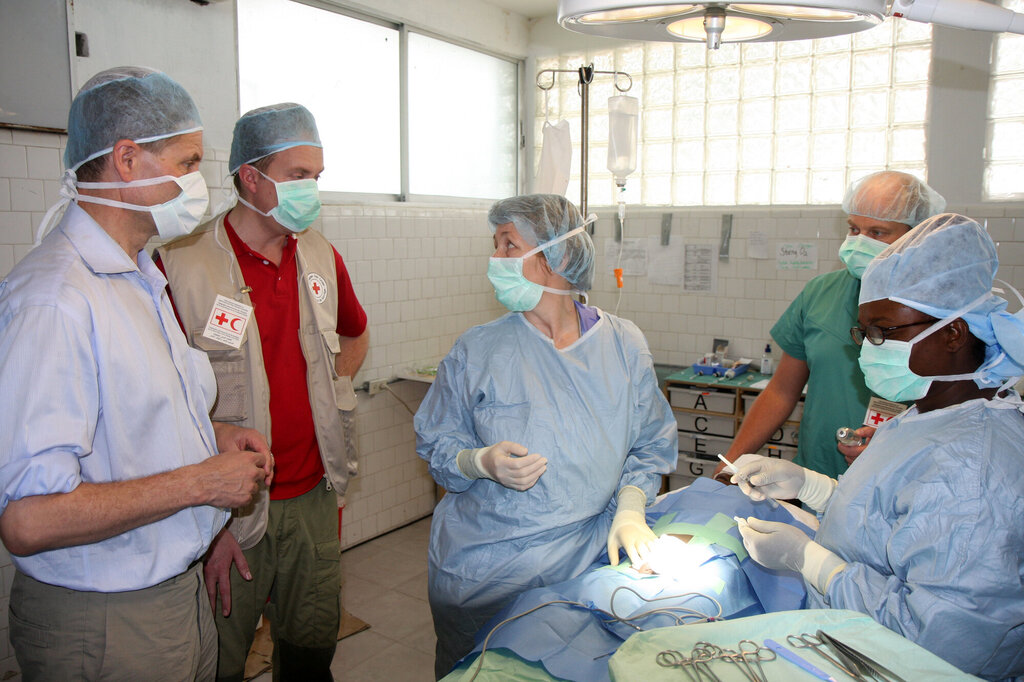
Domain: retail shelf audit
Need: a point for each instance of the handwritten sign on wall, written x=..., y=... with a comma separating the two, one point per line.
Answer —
x=796, y=256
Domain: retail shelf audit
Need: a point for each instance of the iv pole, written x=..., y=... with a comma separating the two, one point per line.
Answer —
x=586, y=76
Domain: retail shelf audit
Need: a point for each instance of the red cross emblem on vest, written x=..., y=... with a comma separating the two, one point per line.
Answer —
x=317, y=287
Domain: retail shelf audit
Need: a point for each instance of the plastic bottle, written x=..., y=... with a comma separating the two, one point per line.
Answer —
x=623, y=118
x=767, y=366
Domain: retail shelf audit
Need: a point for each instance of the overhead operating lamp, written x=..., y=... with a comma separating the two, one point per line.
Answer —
x=718, y=22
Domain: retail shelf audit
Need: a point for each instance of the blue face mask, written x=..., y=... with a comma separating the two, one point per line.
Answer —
x=857, y=251
x=511, y=287
x=298, y=203
x=886, y=367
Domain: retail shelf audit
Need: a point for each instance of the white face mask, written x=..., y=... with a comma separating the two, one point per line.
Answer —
x=174, y=218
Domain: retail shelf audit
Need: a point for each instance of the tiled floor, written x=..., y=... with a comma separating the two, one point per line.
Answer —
x=384, y=582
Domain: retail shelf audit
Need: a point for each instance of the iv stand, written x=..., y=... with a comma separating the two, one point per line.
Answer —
x=586, y=76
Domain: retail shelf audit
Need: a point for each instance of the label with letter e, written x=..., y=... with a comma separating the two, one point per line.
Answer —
x=227, y=321
x=880, y=411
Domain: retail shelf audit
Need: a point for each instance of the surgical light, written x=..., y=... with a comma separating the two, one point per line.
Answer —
x=714, y=28
x=720, y=21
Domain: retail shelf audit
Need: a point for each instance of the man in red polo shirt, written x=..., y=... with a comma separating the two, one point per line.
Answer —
x=272, y=305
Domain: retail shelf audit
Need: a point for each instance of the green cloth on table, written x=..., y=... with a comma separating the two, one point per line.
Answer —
x=635, y=659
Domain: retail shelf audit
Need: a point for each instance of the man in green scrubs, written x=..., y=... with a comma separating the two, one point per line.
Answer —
x=814, y=332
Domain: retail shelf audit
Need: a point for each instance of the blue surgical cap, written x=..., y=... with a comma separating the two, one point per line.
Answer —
x=894, y=197
x=944, y=264
x=267, y=130
x=539, y=218
x=126, y=103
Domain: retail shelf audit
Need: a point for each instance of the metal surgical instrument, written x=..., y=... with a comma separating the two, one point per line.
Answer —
x=861, y=661
x=809, y=641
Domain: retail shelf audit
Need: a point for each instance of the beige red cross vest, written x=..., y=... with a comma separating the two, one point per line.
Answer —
x=202, y=265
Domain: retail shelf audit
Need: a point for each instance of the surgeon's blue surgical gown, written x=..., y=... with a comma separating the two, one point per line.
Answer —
x=931, y=520
x=593, y=409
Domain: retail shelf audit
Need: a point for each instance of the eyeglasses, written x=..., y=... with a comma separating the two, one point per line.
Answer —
x=876, y=335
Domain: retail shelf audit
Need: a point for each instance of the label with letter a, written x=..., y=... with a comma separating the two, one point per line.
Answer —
x=880, y=411
x=227, y=321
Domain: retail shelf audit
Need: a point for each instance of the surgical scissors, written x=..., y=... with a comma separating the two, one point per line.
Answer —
x=813, y=642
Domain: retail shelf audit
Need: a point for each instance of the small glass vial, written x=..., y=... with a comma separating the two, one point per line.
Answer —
x=848, y=436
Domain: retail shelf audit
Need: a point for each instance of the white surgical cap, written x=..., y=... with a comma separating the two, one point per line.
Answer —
x=539, y=218
x=126, y=103
x=268, y=130
x=894, y=197
x=939, y=267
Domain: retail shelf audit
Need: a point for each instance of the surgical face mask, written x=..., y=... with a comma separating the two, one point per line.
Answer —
x=174, y=218
x=511, y=287
x=857, y=251
x=298, y=203
x=886, y=367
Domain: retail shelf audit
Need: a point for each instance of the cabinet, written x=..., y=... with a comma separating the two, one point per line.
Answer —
x=709, y=411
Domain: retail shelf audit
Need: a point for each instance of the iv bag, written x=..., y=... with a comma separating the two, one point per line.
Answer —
x=555, y=159
x=623, y=116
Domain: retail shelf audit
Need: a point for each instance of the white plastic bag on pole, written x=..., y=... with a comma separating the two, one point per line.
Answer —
x=555, y=159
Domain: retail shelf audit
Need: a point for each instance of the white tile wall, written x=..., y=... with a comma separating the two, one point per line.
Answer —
x=419, y=272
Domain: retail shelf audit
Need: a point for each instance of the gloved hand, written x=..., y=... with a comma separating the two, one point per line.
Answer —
x=629, y=529
x=779, y=545
x=760, y=477
x=507, y=463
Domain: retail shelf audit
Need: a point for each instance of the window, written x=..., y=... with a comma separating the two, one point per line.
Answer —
x=1004, y=155
x=760, y=123
x=462, y=104
x=463, y=114
x=345, y=71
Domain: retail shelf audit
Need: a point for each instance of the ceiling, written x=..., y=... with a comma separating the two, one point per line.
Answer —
x=531, y=9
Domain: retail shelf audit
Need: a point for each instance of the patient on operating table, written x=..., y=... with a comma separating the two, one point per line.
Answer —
x=696, y=571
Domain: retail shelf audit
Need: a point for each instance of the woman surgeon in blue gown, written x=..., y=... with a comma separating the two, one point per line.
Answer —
x=925, y=531
x=545, y=426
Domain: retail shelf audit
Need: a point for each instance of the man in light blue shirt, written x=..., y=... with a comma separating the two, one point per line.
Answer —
x=113, y=480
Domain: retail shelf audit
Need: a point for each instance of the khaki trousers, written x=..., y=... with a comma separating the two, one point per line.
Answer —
x=296, y=571
x=164, y=632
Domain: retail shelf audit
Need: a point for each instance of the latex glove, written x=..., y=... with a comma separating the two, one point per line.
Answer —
x=629, y=529
x=507, y=463
x=760, y=477
x=778, y=545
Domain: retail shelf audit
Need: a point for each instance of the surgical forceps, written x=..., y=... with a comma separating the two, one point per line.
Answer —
x=697, y=666
x=748, y=655
x=867, y=667
x=755, y=654
x=814, y=643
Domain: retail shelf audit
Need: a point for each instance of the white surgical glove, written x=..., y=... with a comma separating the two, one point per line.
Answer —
x=779, y=545
x=629, y=529
x=507, y=463
x=760, y=477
